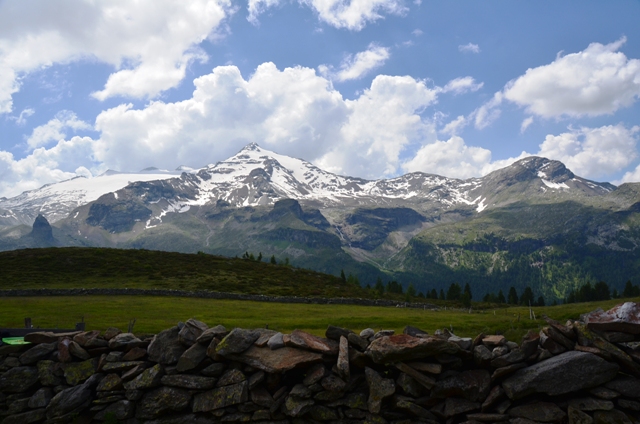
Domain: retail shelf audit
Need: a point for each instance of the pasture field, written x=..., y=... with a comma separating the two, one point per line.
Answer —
x=153, y=314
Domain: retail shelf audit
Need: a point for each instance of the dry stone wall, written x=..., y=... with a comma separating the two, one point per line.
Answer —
x=585, y=371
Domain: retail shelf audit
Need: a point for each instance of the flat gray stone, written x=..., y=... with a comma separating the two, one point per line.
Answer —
x=565, y=373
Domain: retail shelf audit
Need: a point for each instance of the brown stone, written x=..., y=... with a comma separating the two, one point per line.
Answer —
x=303, y=340
x=135, y=354
x=276, y=361
x=85, y=336
x=624, y=318
x=505, y=371
x=63, y=350
x=426, y=367
x=550, y=344
x=405, y=348
x=493, y=341
x=38, y=337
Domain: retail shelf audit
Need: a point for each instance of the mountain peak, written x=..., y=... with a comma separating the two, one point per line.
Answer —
x=250, y=147
x=546, y=169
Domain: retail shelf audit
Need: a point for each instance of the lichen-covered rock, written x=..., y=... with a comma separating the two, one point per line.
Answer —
x=221, y=397
x=72, y=400
x=192, y=357
x=473, y=385
x=546, y=412
x=37, y=415
x=120, y=410
x=565, y=373
x=191, y=331
x=379, y=389
x=37, y=353
x=219, y=331
x=343, y=359
x=18, y=379
x=149, y=378
x=41, y=398
x=232, y=376
x=110, y=383
x=165, y=348
x=77, y=351
x=405, y=348
x=190, y=382
x=77, y=372
x=237, y=341
x=162, y=400
x=123, y=340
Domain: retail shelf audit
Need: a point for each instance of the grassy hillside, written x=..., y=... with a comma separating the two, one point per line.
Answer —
x=75, y=267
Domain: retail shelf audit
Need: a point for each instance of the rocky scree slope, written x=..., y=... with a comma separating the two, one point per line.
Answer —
x=581, y=372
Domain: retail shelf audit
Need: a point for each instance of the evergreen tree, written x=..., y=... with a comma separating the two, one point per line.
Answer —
x=434, y=294
x=630, y=290
x=251, y=257
x=379, y=287
x=454, y=292
x=441, y=294
x=466, y=300
x=411, y=292
x=540, y=301
x=513, y=296
x=286, y=261
x=273, y=260
x=260, y=257
x=342, y=276
x=500, y=298
x=615, y=294
x=467, y=290
x=601, y=291
x=527, y=297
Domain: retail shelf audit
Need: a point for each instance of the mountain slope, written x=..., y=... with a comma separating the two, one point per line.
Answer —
x=532, y=223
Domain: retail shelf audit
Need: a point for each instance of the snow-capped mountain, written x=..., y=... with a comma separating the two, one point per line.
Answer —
x=55, y=201
x=256, y=176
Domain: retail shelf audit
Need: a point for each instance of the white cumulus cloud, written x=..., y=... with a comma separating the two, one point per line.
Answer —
x=54, y=130
x=469, y=48
x=358, y=65
x=451, y=158
x=596, y=81
x=149, y=43
x=462, y=85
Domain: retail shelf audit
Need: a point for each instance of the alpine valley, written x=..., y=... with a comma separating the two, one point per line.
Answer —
x=533, y=223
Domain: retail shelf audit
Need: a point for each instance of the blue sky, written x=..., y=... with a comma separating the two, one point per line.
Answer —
x=368, y=88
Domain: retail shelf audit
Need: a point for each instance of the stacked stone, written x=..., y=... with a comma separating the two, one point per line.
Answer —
x=585, y=371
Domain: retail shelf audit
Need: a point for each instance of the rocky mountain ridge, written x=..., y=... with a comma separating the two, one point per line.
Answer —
x=532, y=223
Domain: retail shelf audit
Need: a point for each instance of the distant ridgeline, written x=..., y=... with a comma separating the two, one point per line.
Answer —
x=532, y=224
x=585, y=371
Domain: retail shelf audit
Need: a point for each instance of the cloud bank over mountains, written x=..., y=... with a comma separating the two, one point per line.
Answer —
x=392, y=125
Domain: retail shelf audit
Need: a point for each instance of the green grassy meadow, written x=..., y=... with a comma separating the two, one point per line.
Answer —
x=153, y=314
